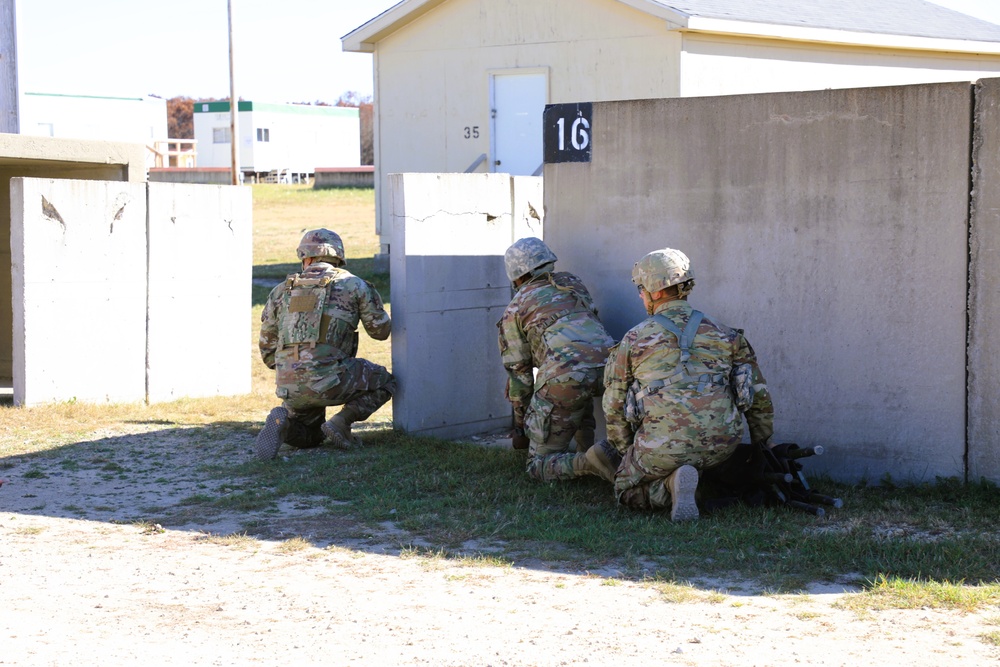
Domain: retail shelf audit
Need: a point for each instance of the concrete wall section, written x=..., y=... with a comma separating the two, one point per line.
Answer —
x=984, y=287
x=200, y=258
x=344, y=177
x=449, y=289
x=79, y=285
x=200, y=175
x=814, y=221
x=51, y=158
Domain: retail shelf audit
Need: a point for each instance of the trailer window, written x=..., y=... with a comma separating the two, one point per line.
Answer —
x=220, y=135
x=263, y=134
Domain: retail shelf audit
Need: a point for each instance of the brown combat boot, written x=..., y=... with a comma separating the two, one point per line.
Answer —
x=682, y=484
x=599, y=464
x=338, y=430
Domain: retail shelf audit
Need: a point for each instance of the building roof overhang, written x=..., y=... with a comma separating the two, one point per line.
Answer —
x=364, y=38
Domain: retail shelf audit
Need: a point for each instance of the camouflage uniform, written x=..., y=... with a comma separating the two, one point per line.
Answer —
x=309, y=335
x=665, y=409
x=551, y=324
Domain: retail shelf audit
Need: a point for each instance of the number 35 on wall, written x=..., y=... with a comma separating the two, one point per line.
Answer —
x=567, y=132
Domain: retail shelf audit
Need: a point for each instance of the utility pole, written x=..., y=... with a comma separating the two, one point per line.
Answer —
x=234, y=107
x=9, y=95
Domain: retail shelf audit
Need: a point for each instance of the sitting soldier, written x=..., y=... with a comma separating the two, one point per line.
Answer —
x=676, y=390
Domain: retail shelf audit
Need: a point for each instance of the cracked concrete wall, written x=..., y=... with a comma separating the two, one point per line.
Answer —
x=449, y=289
x=79, y=286
x=104, y=311
x=830, y=225
x=984, y=286
x=197, y=307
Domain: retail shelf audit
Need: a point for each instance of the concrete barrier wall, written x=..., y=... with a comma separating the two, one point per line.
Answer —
x=344, y=177
x=449, y=289
x=202, y=175
x=45, y=157
x=108, y=309
x=984, y=286
x=79, y=285
x=198, y=320
x=833, y=227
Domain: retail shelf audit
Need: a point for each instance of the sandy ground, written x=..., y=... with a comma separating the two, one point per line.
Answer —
x=83, y=583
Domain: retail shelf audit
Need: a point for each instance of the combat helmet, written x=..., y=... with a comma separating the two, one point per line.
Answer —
x=321, y=243
x=526, y=255
x=661, y=269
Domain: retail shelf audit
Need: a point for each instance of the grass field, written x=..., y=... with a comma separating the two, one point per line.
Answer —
x=905, y=545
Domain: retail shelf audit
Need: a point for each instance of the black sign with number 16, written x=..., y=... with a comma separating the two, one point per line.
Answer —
x=567, y=132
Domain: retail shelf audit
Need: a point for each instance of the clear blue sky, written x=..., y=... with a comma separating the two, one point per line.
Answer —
x=286, y=50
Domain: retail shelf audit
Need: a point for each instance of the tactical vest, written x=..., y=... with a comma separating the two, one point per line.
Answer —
x=301, y=311
x=689, y=374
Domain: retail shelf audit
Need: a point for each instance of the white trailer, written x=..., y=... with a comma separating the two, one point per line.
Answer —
x=282, y=142
x=139, y=120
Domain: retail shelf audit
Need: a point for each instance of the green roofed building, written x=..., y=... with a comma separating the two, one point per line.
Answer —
x=282, y=141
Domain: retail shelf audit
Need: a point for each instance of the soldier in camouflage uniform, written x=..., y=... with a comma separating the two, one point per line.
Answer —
x=309, y=334
x=677, y=388
x=551, y=325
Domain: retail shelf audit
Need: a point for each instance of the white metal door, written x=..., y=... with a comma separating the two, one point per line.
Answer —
x=518, y=103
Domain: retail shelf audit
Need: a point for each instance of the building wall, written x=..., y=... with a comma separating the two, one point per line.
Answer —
x=131, y=119
x=298, y=137
x=832, y=226
x=719, y=65
x=433, y=76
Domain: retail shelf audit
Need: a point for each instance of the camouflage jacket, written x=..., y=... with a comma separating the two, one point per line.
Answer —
x=551, y=324
x=651, y=399
x=310, y=321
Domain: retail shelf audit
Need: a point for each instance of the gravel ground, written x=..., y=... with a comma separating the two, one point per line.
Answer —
x=84, y=582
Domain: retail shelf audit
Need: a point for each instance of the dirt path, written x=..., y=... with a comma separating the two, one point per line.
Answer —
x=83, y=584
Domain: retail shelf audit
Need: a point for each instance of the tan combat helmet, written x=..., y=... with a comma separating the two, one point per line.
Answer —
x=662, y=268
x=525, y=256
x=321, y=243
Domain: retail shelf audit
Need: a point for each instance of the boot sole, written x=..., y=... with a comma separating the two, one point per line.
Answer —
x=683, y=484
x=270, y=438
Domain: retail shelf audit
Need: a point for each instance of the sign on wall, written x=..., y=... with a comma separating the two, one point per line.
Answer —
x=567, y=132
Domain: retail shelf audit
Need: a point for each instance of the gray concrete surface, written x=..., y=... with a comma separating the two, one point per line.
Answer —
x=44, y=157
x=831, y=225
x=344, y=177
x=449, y=289
x=984, y=286
x=202, y=175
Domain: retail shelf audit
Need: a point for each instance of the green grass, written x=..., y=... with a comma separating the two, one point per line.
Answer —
x=453, y=495
x=932, y=543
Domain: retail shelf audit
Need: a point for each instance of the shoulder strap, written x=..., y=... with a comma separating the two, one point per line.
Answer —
x=684, y=338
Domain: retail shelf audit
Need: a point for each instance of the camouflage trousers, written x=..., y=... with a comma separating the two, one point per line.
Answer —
x=641, y=480
x=361, y=387
x=558, y=409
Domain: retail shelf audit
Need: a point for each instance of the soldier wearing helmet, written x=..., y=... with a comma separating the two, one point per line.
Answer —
x=551, y=326
x=309, y=335
x=676, y=391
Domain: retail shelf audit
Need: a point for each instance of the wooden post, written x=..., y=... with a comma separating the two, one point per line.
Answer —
x=9, y=120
